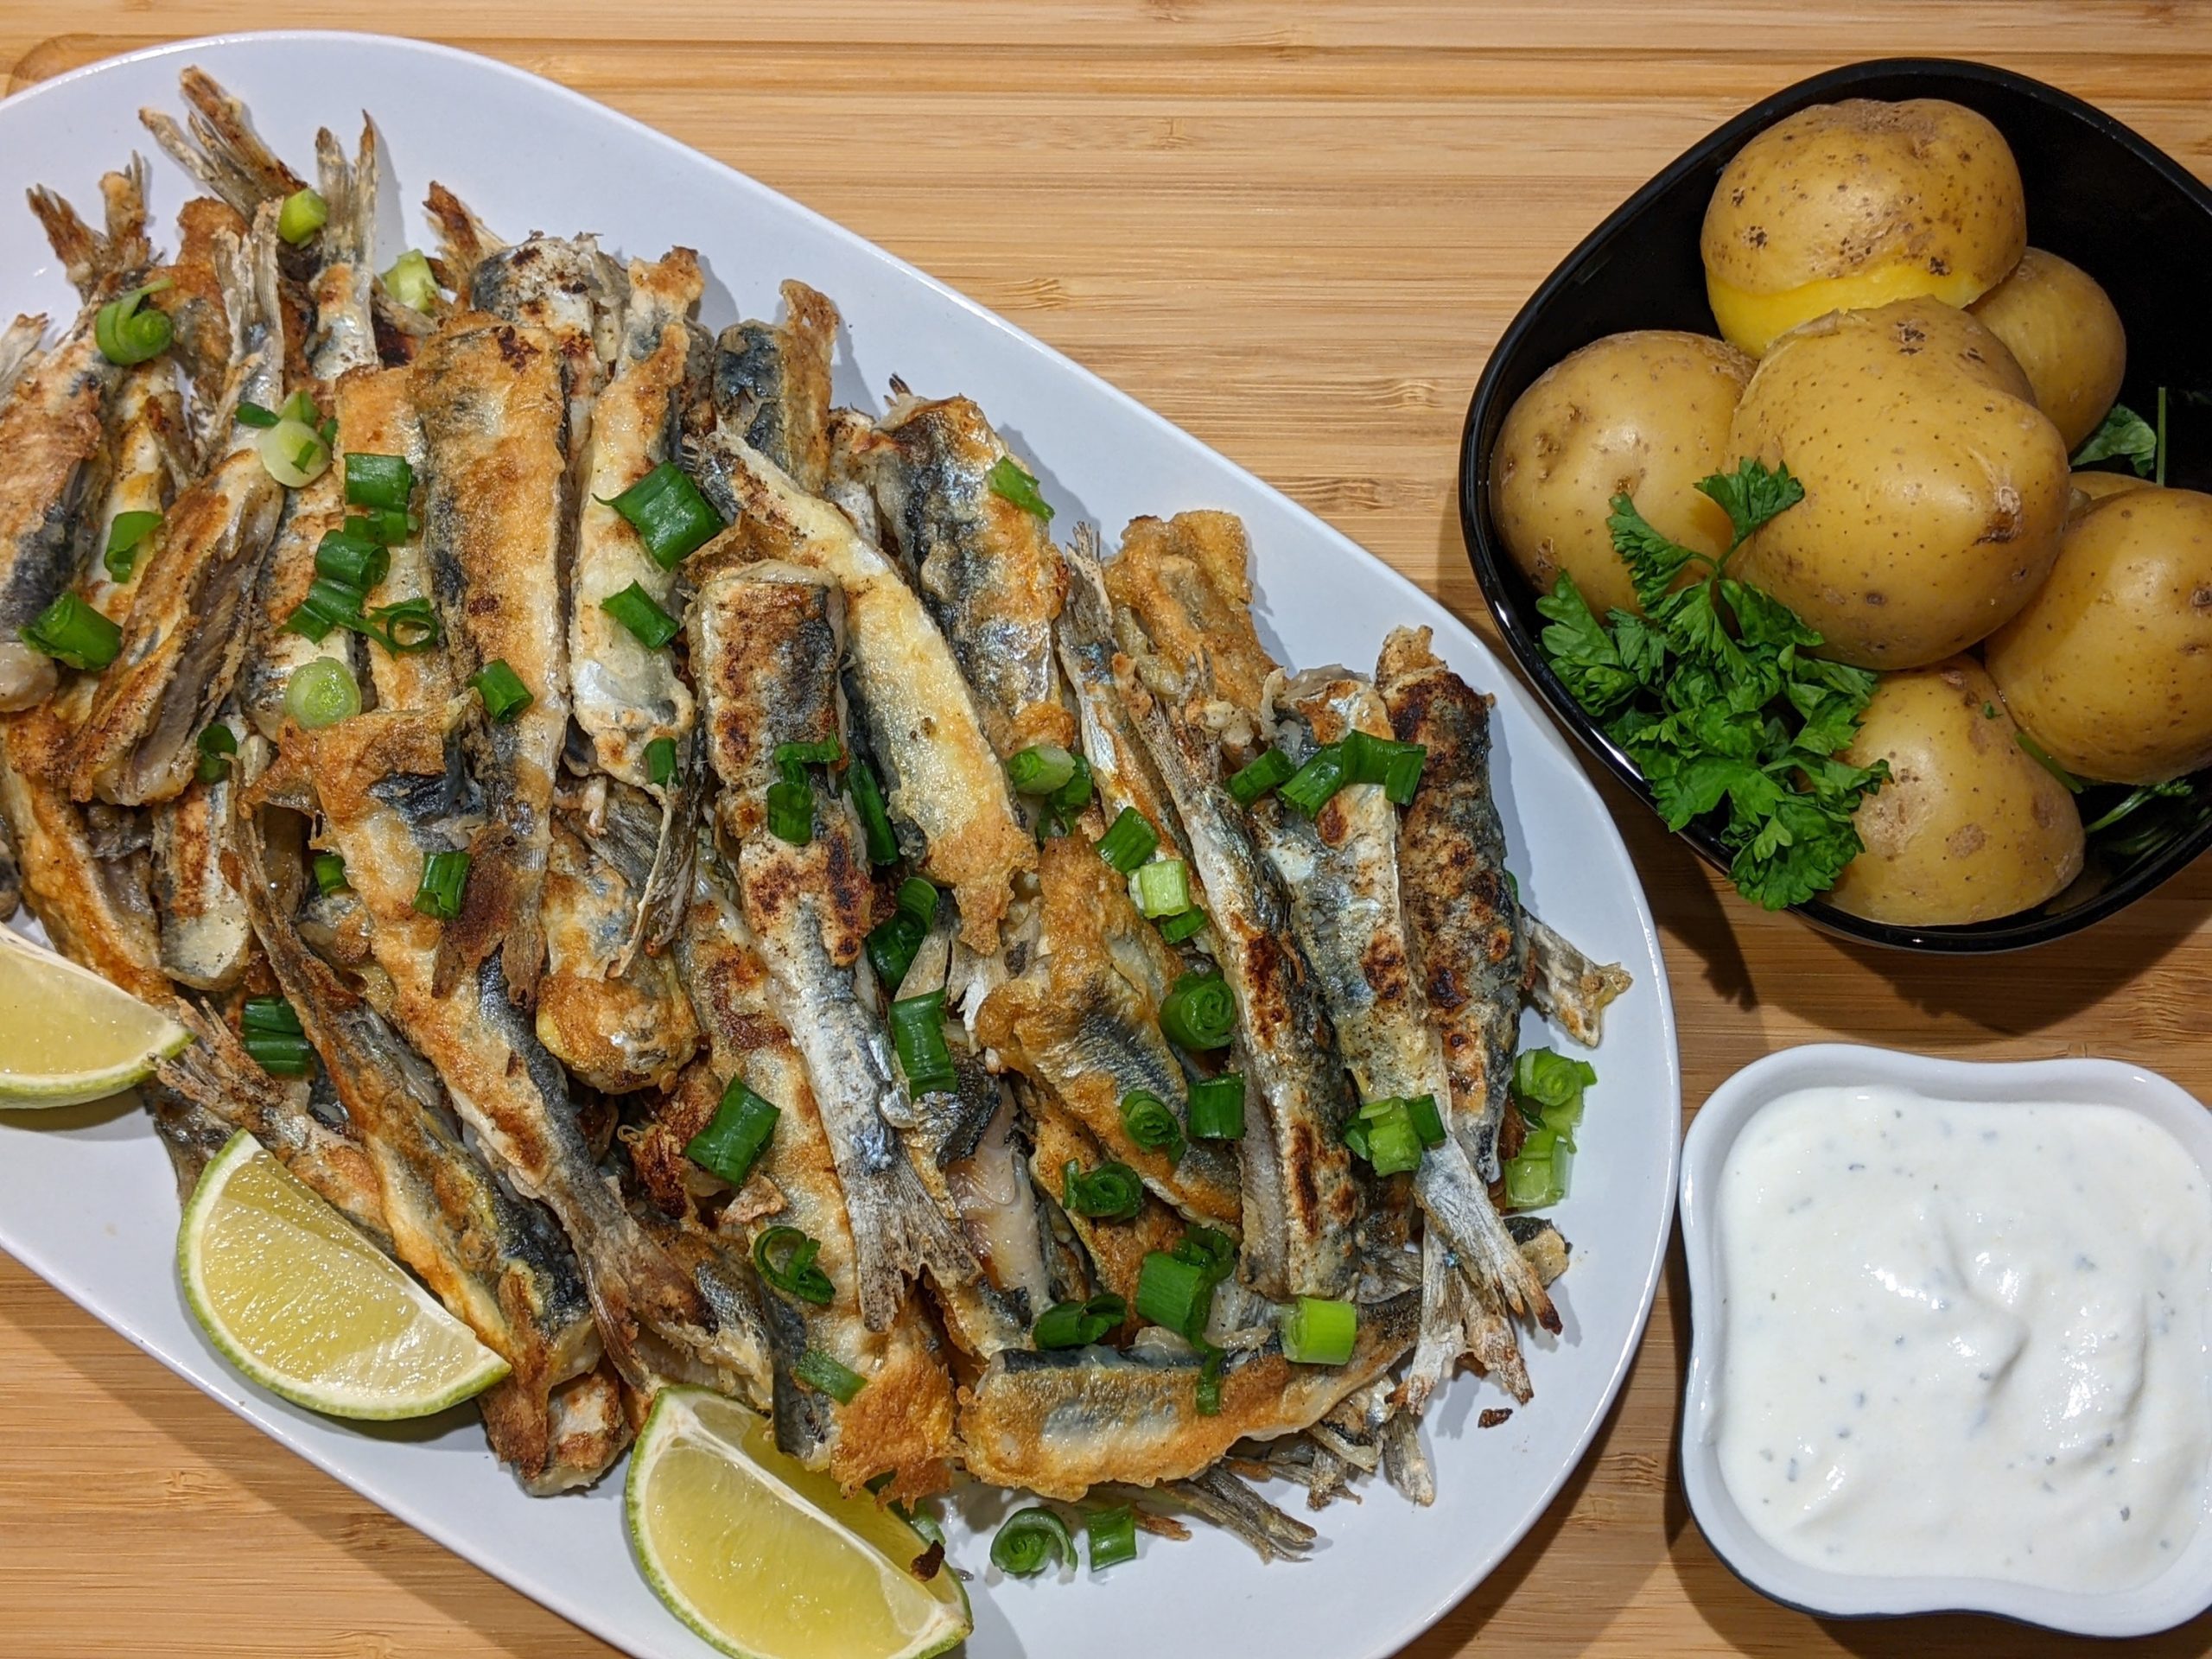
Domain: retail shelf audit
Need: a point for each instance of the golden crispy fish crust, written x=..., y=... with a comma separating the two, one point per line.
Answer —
x=1187, y=582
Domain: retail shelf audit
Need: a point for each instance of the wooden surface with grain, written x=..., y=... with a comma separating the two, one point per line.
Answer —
x=1294, y=228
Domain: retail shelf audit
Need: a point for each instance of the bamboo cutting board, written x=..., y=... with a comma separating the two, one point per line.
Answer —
x=1295, y=229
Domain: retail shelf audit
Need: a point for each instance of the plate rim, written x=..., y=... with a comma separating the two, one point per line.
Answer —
x=1455, y=1587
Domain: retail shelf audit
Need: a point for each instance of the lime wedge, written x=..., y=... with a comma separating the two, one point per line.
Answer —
x=308, y=1308
x=769, y=1560
x=67, y=1036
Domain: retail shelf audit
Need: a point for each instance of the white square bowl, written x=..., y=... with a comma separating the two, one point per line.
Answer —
x=2175, y=1596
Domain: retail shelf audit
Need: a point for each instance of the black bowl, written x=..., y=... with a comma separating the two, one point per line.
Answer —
x=2098, y=195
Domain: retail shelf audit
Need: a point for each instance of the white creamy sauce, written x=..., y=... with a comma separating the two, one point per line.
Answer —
x=1966, y=1340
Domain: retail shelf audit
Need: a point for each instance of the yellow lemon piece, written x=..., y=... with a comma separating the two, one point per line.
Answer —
x=303, y=1303
x=67, y=1036
x=769, y=1560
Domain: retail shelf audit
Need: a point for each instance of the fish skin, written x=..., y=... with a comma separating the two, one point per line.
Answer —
x=902, y=1421
x=764, y=649
x=54, y=433
x=393, y=787
x=1114, y=1249
x=200, y=322
x=1302, y=1199
x=986, y=568
x=1083, y=1022
x=499, y=1264
x=153, y=456
x=184, y=640
x=217, y=1074
x=771, y=384
x=1123, y=775
x=376, y=416
x=1187, y=583
x=205, y=942
x=1566, y=987
x=1339, y=867
x=942, y=782
x=221, y=149
x=97, y=911
x=1060, y=1422
x=497, y=523
x=1470, y=950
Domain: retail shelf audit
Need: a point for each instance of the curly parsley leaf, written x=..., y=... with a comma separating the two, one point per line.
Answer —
x=2122, y=434
x=1714, y=694
x=1752, y=494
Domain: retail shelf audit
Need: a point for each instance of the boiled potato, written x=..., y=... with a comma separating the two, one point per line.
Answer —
x=1643, y=413
x=1934, y=490
x=1849, y=205
x=1970, y=827
x=2061, y=328
x=2110, y=665
x=2091, y=487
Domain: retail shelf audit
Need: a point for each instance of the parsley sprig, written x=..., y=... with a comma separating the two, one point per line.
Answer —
x=1714, y=694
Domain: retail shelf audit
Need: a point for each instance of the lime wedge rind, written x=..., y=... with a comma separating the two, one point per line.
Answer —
x=328, y=1398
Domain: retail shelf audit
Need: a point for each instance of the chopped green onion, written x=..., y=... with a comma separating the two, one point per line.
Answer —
x=1218, y=1108
x=735, y=1136
x=1209, y=1385
x=1387, y=1140
x=505, y=695
x=1426, y=1119
x=1271, y=771
x=269, y=1014
x=357, y=561
x=1207, y=1247
x=329, y=874
x=1176, y=929
x=126, y=334
x=1075, y=794
x=1151, y=1124
x=1199, y=1012
x=1078, y=1324
x=294, y=453
x=1031, y=1539
x=321, y=693
x=1548, y=1088
x=1310, y=787
x=217, y=744
x=638, y=611
x=1396, y=767
x=1112, y=1534
x=72, y=631
x=1040, y=769
x=670, y=515
x=1319, y=1331
x=1008, y=481
x=827, y=1376
x=386, y=526
x=1176, y=1295
x=875, y=821
x=791, y=811
x=303, y=214
x=791, y=758
x=893, y=943
x=660, y=762
x=1536, y=1177
x=329, y=604
x=1109, y=1192
x=444, y=877
x=405, y=628
x=380, y=481
x=269, y=1029
x=1128, y=842
x=785, y=1258
x=123, y=537
x=917, y=1033
x=252, y=414
x=1161, y=887
x=411, y=281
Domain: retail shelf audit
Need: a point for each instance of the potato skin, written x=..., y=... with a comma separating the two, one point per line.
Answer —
x=2060, y=325
x=2091, y=487
x=1644, y=414
x=2110, y=665
x=1855, y=204
x=1970, y=827
x=1934, y=490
